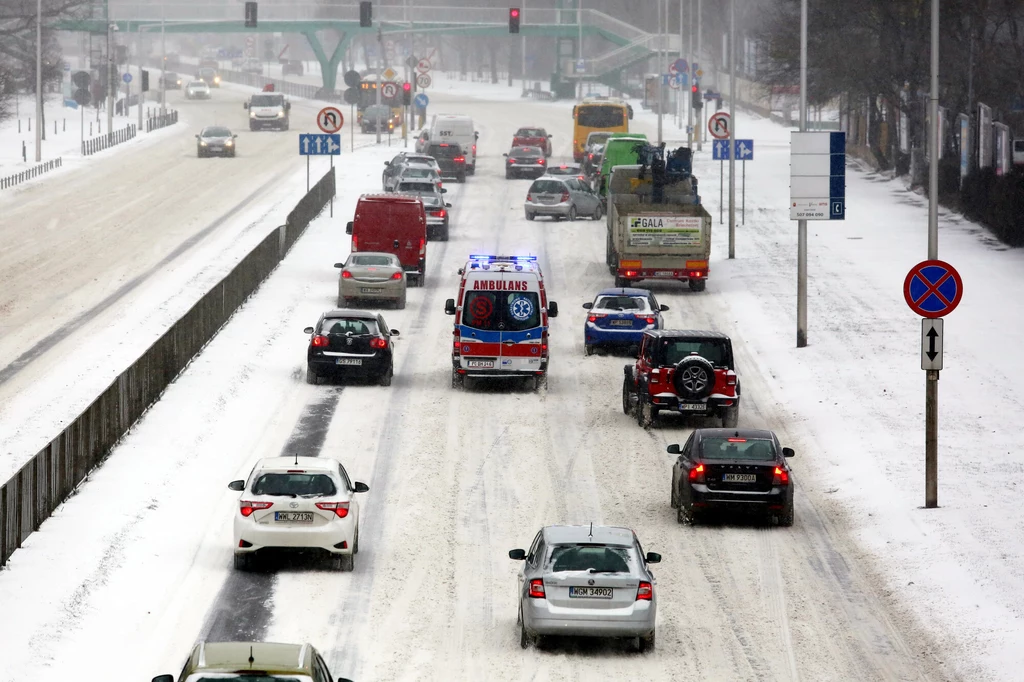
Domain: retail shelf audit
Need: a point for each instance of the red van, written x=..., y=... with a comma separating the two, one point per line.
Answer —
x=393, y=223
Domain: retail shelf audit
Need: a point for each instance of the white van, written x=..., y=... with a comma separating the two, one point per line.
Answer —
x=456, y=128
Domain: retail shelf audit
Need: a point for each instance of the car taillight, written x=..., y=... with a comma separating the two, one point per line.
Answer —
x=594, y=317
x=649, y=320
x=575, y=143
x=697, y=474
x=345, y=274
x=247, y=508
x=423, y=246
x=529, y=197
x=474, y=149
x=355, y=243
x=339, y=508
x=320, y=341
x=378, y=343
x=511, y=161
x=645, y=592
x=730, y=379
x=440, y=214
x=781, y=477
x=541, y=161
x=537, y=588
x=565, y=196
x=459, y=159
x=693, y=274
x=581, y=177
x=397, y=275
x=630, y=273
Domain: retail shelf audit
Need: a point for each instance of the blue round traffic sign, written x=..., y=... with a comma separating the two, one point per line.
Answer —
x=933, y=288
x=678, y=66
x=422, y=100
x=127, y=78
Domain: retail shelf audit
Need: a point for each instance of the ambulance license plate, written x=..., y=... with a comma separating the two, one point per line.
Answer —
x=480, y=364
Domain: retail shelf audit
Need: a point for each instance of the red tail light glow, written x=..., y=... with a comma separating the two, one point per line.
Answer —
x=696, y=474
x=511, y=162
x=537, y=589
x=320, y=341
x=339, y=508
x=529, y=197
x=645, y=592
x=781, y=477
x=693, y=274
x=474, y=149
x=630, y=273
x=397, y=275
x=355, y=242
x=247, y=508
x=541, y=161
x=345, y=274
x=378, y=343
x=423, y=246
x=565, y=196
x=459, y=159
x=649, y=320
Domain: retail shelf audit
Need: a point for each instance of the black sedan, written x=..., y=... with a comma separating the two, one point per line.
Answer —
x=740, y=469
x=525, y=162
x=350, y=343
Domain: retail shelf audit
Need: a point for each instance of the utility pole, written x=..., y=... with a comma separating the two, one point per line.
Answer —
x=522, y=49
x=579, y=43
x=931, y=401
x=163, y=61
x=732, y=128
x=690, y=76
x=661, y=67
x=111, y=80
x=801, y=225
x=142, y=95
x=39, y=80
x=380, y=77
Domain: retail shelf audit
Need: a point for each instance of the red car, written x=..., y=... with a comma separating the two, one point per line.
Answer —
x=533, y=137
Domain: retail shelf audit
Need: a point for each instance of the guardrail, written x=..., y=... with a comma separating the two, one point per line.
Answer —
x=53, y=473
x=29, y=173
x=101, y=142
x=304, y=90
x=161, y=120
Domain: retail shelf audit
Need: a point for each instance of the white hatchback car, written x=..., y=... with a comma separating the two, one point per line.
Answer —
x=298, y=503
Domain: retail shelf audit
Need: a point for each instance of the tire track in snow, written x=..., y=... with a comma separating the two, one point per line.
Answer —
x=244, y=605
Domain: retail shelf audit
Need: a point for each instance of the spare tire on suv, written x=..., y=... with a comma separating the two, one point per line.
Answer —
x=694, y=378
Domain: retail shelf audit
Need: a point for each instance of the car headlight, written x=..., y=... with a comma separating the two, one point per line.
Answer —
x=217, y=79
x=252, y=114
x=228, y=143
x=280, y=114
x=201, y=143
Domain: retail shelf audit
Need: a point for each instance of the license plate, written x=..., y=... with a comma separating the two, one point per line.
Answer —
x=663, y=273
x=371, y=290
x=591, y=592
x=480, y=364
x=739, y=478
x=621, y=323
x=693, y=407
x=349, y=361
x=294, y=517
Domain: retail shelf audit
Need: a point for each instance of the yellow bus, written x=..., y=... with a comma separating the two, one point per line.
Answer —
x=598, y=114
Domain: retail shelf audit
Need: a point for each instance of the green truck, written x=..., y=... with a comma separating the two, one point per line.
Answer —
x=619, y=150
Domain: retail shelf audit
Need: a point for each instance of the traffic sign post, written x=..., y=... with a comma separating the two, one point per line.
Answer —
x=718, y=125
x=932, y=289
x=330, y=120
x=315, y=144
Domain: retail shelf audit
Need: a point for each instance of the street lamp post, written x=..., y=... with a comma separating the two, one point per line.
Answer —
x=39, y=80
x=732, y=129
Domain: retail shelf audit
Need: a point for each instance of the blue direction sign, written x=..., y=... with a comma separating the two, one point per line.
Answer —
x=933, y=288
x=315, y=144
x=127, y=78
x=744, y=150
x=678, y=66
x=421, y=100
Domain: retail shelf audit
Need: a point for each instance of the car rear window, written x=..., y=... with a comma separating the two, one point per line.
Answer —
x=246, y=677
x=547, y=186
x=419, y=173
x=356, y=326
x=715, y=351
x=294, y=484
x=598, y=558
x=415, y=187
x=760, y=449
x=530, y=132
x=368, y=259
x=448, y=151
x=525, y=151
x=563, y=170
x=621, y=303
x=501, y=310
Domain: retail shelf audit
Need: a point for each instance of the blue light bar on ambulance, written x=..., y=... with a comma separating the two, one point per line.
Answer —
x=504, y=259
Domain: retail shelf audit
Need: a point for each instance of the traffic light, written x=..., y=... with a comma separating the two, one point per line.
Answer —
x=407, y=93
x=695, y=99
x=513, y=20
x=145, y=81
x=250, y=15
x=365, y=14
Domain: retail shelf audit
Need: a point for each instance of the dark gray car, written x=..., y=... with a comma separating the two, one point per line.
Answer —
x=562, y=198
x=215, y=140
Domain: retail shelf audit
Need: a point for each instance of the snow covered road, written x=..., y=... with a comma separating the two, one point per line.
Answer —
x=142, y=557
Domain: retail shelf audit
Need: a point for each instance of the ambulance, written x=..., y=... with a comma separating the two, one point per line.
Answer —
x=501, y=320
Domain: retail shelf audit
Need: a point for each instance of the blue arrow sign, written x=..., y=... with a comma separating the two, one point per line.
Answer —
x=744, y=150
x=720, y=150
x=422, y=100
x=127, y=78
x=316, y=144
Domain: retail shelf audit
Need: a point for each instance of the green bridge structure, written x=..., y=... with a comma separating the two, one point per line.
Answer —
x=629, y=45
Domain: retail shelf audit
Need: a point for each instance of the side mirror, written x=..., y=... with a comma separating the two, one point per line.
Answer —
x=164, y=678
x=447, y=205
x=287, y=106
x=449, y=306
x=237, y=485
x=504, y=154
x=788, y=452
x=307, y=330
x=197, y=136
x=588, y=306
x=234, y=137
x=476, y=135
x=360, y=487
x=387, y=163
x=653, y=557
x=339, y=265
x=245, y=105
x=348, y=227
x=395, y=332
x=517, y=554
x=673, y=449
x=663, y=308
x=552, y=309
x=444, y=191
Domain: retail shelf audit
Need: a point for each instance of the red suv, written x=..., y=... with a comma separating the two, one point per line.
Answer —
x=688, y=372
x=533, y=137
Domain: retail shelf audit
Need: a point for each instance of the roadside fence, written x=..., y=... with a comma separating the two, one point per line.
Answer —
x=161, y=120
x=101, y=142
x=29, y=173
x=32, y=495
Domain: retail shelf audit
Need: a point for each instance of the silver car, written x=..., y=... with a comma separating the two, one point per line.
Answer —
x=416, y=172
x=437, y=216
x=590, y=581
x=370, y=275
x=562, y=198
x=197, y=90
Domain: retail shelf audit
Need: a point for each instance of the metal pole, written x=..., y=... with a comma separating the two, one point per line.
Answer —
x=380, y=78
x=687, y=98
x=801, y=225
x=661, y=68
x=352, y=125
x=679, y=90
x=111, y=79
x=700, y=52
x=142, y=95
x=163, y=63
x=522, y=50
x=743, y=202
x=931, y=400
x=732, y=129
x=39, y=80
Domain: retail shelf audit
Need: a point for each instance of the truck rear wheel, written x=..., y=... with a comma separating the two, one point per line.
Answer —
x=698, y=284
x=621, y=282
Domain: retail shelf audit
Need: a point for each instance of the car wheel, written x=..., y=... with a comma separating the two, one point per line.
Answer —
x=588, y=349
x=345, y=562
x=461, y=177
x=400, y=303
x=311, y=376
x=787, y=517
x=730, y=417
x=458, y=380
x=627, y=398
x=694, y=378
x=508, y=176
x=572, y=213
x=525, y=640
x=685, y=515
x=355, y=543
x=698, y=284
x=385, y=378
x=645, y=413
x=646, y=643
x=444, y=234
x=530, y=216
x=598, y=213
x=242, y=562
x=673, y=495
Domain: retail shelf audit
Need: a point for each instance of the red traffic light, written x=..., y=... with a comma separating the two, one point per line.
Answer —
x=514, y=12
x=407, y=86
x=694, y=88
